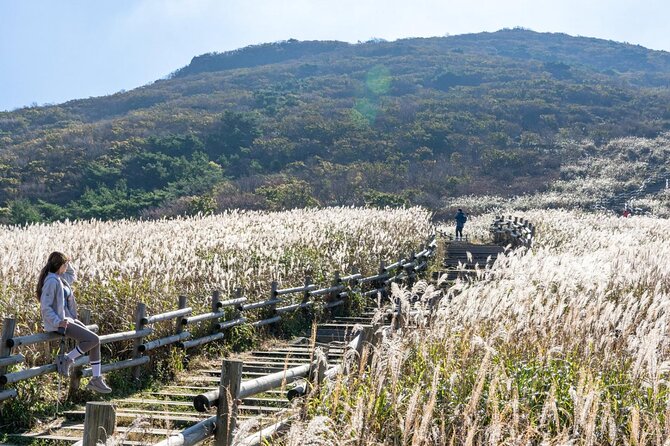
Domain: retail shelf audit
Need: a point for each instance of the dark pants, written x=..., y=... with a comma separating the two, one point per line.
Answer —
x=459, y=231
x=87, y=341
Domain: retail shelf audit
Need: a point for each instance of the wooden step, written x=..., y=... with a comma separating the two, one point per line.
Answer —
x=48, y=437
x=214, y=379
x=475, y=251
x=330, y=336
x=331, y=348
x=289, y=355
x=153, y=402
x=245, y=372
x=142, y=430
x=352, y=320
x=340, y=326
x=260, y=408
x=260, y=401
x=186, y=396
x=182, y=418
x=270, y=364
x=185, y=418
x=279, y=364
x=191, y=388
x=267, y=369
x=460, y=264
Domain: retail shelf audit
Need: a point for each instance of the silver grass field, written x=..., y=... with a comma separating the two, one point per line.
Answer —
x=124, y=262
x=566, y=344
x=563, y=344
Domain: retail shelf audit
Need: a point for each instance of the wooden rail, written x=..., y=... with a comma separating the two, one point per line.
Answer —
x=515, y=231
x=222, y=425
x=331, y=296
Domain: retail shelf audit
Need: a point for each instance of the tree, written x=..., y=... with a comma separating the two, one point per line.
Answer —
x=23, y=211
x=233, y=133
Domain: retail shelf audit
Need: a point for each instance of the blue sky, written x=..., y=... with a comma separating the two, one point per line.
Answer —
x=52, y=51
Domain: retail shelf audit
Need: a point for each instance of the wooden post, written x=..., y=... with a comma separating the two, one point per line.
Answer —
x=335, y=294
x=237, y=313
x=179, y=323
x=99, y=423
x=377, y=334
x=367, y=349
x=317, y=372
x=305, y=295
x=226, y=412
x=366, y=338
x=274, y=328
x=140, y=314
x=8, y=326
x=216, y=297
x=320, y=374
x=75, y=374
x=273, y=293
x=380, y=284
x=411, y=272
x=398, y=317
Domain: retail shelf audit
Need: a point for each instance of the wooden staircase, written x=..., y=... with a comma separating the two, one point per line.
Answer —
x=462, y=258
x=150, y=416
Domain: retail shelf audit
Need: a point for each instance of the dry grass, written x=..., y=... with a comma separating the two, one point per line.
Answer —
x=123, y=262
x=565, y=344
x=598, y=172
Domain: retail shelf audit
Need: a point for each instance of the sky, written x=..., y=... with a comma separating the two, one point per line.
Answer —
x=52, y=51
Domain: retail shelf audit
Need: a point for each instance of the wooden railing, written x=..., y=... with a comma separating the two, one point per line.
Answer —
x=306, y=375
x=515, y=231
x=221, y=426
x=278, y=301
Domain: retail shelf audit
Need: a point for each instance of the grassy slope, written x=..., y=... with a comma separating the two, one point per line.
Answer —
x=451, y=115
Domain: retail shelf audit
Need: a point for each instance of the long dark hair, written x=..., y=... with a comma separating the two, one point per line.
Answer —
x=55, y=261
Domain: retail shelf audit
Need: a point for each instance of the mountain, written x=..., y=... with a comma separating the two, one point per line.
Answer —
x=296, y=123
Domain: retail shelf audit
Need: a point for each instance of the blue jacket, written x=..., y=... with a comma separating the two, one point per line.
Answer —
x=53, y=306
x=460, y=219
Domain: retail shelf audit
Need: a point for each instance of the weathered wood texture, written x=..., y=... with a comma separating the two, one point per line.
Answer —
x=226, y=414
x=334, y=295
x=100, y=423
x=140, y=315
x=8, y=325
x=192, y=435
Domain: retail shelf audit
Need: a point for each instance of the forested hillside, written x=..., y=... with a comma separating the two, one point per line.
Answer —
x=294, y=123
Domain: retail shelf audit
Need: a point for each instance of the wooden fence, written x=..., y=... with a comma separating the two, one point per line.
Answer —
x=512, y=231
x=100, y=418
x=279, y=302
x=308, y=376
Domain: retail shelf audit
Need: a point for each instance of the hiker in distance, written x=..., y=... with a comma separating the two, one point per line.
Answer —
x=460, y=222
x=59, y=315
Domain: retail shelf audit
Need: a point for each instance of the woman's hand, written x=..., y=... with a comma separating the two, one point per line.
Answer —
x=63, y=323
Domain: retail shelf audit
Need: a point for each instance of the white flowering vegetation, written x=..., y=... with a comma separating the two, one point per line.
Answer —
x=124, y=262
x=567, y=343
x=596, y=173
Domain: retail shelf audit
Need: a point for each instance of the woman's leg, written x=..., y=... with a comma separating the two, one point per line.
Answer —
x=87, y=342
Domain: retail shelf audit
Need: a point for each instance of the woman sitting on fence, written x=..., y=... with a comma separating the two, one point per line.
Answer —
x=59, y=314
